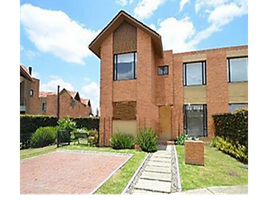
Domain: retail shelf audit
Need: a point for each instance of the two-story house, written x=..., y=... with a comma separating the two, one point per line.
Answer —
x=29, y=91
x=173, y=93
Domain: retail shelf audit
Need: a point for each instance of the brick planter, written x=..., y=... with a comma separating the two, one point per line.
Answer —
x=194, y=152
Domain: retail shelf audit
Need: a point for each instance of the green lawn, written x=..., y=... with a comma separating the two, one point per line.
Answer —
x=219, y=170
x=117, y=183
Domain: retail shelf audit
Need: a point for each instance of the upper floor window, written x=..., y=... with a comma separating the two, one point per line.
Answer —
x=125, y=66
x=31, y=93
x=194, y=73
x=237, y=69
x=44, y=106
x=163, y=70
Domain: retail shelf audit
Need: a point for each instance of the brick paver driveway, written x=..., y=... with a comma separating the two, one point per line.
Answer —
x=67, y=172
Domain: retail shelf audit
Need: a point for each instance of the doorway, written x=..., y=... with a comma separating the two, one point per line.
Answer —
x=165, y=122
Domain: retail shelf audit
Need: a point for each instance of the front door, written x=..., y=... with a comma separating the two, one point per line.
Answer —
x=165, y=122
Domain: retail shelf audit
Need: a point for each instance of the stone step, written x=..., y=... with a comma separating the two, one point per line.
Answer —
x=159, y=159
x=151, y=185
x=161, y=164
x=156, y=176
x=138, y=191
x=158, y=169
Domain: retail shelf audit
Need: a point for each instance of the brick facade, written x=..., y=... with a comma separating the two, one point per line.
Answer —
x=151, y=91
x=194, y=152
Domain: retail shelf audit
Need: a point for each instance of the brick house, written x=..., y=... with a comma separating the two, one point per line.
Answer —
x=173, y=93
x=29, y=91
x=45, y=103
x=71, y=104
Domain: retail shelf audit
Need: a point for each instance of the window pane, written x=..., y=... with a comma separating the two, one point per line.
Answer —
x=233, y=107
x=194, y=73
x=195, y=121
x=125, y=66
x=163, y=70
x=239, y=69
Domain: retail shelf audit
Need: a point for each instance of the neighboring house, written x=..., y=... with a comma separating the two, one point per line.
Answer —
x=45, y=103
x=71, y=104
x=173, y=93
x=29, y=91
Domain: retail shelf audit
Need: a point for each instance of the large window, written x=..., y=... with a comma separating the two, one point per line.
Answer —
x=237, y=69
x=195, y=120
x=125, y=66
x=233, y=107
x=194, y=73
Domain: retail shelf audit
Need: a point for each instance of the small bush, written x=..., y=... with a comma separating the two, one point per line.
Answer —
x=236, y=150
x=147, y=140
x=67, y=124
x=44, y=136
x=122, y=141
x=93, y=138
x=181, y=139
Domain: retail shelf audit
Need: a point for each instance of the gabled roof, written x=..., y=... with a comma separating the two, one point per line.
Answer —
x=45, y=94
x=24, y=72
x=86, y=102
x=122, y=16
x=73, y=94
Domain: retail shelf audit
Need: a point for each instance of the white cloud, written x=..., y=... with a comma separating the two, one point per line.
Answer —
x=52, y=85
x=183, y=3
x=145, y=8
x=31, y=54
x=36, y=75
x=220, y=13
x=54, y=32
x=176, y=33
x=91, y=91
x=121, y=2
x=21, y=48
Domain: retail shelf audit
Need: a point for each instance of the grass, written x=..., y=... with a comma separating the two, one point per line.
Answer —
x=117, y=183
x=219, y=170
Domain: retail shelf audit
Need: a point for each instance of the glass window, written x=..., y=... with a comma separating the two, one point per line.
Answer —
x=233, y=107
x=125, y=66
x=31, y=92
x=237, y=69
x=44, y=106
x=163, y=70
x=194, y=73
x=195, y=120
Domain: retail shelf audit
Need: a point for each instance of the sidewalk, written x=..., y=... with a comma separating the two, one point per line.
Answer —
x=240, y=189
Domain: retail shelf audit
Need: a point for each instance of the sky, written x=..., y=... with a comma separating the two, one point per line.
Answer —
x=54, y=34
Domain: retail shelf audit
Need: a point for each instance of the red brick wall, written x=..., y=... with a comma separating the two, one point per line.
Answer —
x=194, y=152
x=34, y=101
x=106, y=91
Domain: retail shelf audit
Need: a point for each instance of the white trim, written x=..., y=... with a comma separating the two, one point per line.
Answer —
x=178, y=169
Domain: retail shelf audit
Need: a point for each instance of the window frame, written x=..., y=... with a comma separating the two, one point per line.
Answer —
x=115, y=66
x=185, y=123
x=245, y=105
x=164, y=74
x=204, y=72
x=229, y=70
x=44, y=106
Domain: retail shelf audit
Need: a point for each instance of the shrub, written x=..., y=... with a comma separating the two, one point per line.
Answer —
x=233, y=126
x=147, y=140
x=67, y=124
x=181, y=139
x=93, y=137
x=44, y=136
x=237, y=150
x=30, y=123
x=122, y=141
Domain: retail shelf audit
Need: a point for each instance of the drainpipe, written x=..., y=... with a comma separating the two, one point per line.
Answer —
x=58, y=102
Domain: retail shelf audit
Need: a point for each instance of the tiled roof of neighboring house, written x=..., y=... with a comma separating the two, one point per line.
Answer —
x=73, y=94
x=45, y=94
x=24, y=72
x=86, y=102
x=122, y=16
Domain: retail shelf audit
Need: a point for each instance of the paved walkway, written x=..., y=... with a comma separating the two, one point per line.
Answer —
x=240, y=189
x=156, y=177
x=67, y=172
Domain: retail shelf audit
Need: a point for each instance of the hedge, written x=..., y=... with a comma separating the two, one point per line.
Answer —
x=233, y=126
x=89, y=123
x=30, y=123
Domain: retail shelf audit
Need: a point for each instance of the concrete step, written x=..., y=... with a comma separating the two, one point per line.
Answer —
x=138, y=191
x=151, y=185
x=156, y=176
x=158, y=169
x=160, y=164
